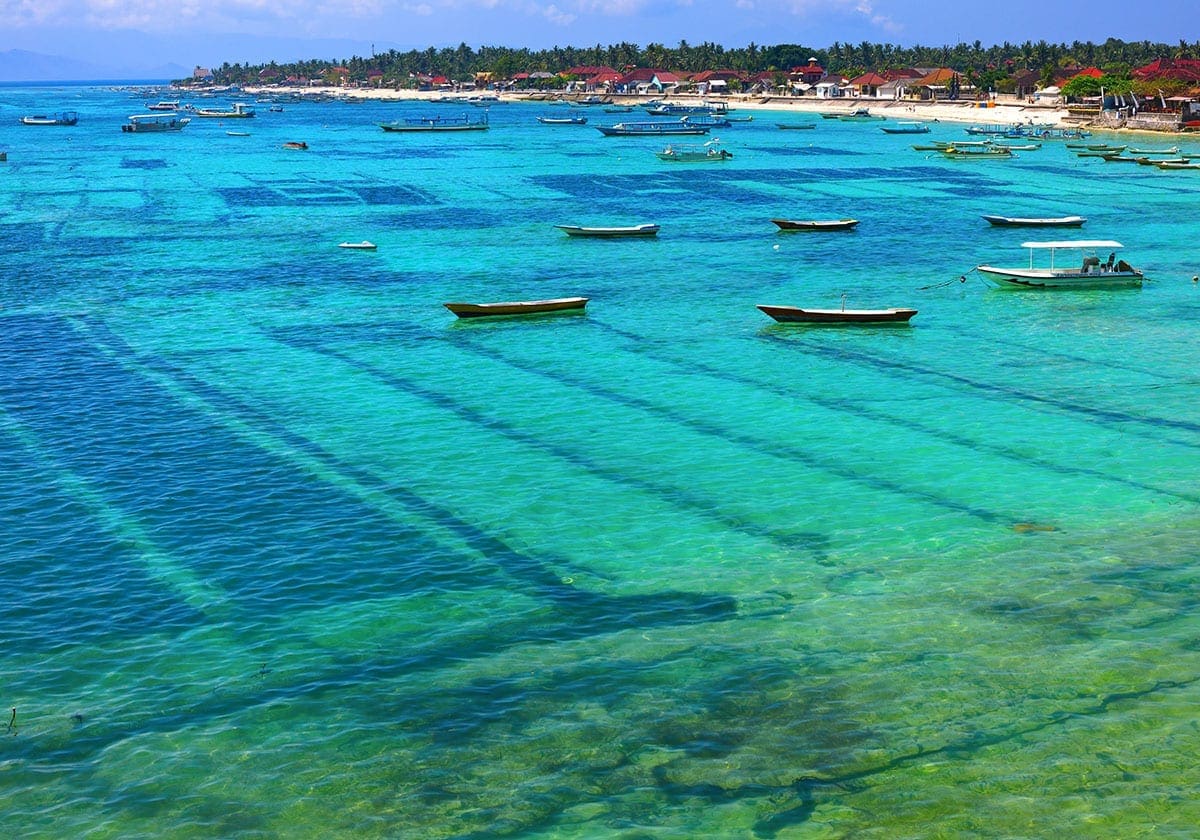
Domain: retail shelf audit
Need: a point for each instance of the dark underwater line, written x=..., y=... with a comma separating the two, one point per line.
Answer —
x=938, y=432
x=770, y=449
x=536, y=574
x=673, y=496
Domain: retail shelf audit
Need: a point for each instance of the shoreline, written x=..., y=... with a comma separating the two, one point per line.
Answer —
x=1014, y=113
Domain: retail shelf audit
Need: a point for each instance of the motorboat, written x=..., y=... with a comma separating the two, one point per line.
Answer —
x=64, y=118
x=710, y=152
x=609, y=232
x=238, y=111
x=1025, y=221
x=165, y=105
x=562, y=120
x=517, y=307
x=803, y=315
x=139, y=123
x=815, y=224
x=643, y=129
x=438, y=123
x=1088, y=273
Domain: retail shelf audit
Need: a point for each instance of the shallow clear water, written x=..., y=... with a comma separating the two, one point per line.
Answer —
x=288, y=550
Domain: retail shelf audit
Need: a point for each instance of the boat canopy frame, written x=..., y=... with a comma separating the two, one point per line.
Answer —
x=1069, y=244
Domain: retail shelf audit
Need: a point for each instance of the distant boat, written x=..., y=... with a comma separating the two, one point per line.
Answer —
x=295, y=145
x=962, y=151
x=1170, y=150
x=635, y=129
x=517, y=307
x=708, y=153
x=1050, y=221
x=1176, y=164
x=1151, y=161
x=798, y=315
x=438, y=123
x=795, y=126
x=238, y=133
x=166, y=105
x=140, y=123
x=618, y=109
x=239, y=111
x=277, y=109
x=905, y=128
x=815, y=224
x=65, y=118
x=562, y=120
x=358, y=246
x=859, y=115
x=609, y=232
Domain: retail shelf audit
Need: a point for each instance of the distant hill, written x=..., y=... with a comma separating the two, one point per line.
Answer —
x=25, y=66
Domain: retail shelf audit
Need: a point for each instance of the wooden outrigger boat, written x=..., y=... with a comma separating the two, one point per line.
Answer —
x=517, y=307
x=609, y=232
x=1051, y=221
x=905, y=128
x=815, y=224
x=799, y=315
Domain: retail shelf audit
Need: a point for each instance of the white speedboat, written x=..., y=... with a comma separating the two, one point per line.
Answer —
x=1085, y=271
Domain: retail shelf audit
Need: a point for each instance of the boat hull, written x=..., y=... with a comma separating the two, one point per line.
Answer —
x=609, y=232
x=1035, y=278
x=519, y=307
x=1011, y=221
x=798, y=315
x=816, y=224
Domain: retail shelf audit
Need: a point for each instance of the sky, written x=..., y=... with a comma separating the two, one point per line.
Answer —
x=149, y=33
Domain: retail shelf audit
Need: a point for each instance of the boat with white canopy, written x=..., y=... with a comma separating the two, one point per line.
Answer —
x=1087, y=270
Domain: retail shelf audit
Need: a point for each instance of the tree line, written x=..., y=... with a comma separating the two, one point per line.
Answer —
x=983, y=66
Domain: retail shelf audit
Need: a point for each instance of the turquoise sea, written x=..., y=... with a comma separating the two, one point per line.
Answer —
x=286, y=550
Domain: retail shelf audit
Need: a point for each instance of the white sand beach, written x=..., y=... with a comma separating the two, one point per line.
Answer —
x=1008, y=111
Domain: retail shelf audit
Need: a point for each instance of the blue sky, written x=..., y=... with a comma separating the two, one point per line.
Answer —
x=208, y=32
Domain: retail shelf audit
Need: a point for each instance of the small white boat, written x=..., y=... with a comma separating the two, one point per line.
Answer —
x=609, y=232
x=1091, y=273
x=358, y=246
x=1022, y=221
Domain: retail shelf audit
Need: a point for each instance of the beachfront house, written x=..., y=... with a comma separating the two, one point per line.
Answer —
x=942, y=83
x=645, y=80
x=868, y=84
x=831, y=88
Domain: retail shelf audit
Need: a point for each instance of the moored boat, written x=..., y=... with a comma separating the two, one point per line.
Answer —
x=634, y=129
x=517, y=307
x=962, y=151
x=358, y=246
x=803, y=315
x=815, y=224
x=905, y=128
x=139, y=123
x=795, y=126
x=1090, y=274
x=610, y=232
x=562, y=120
x=238, y=111
x=1027, y=221
x=165, y=105
x=710, y=152
x=64, y=118
x=438, y=123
